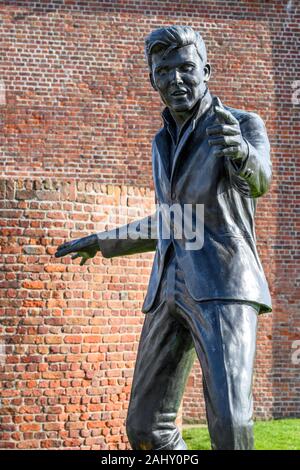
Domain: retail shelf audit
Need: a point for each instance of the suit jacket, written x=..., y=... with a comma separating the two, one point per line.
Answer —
x=227, y=266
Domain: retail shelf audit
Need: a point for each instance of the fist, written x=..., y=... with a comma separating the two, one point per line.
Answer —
x=226, y=137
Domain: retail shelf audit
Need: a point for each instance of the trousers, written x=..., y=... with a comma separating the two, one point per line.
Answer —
x=222, y=334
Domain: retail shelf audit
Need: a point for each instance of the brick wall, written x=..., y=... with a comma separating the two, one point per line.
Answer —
x=77, y=118
x=71, y=332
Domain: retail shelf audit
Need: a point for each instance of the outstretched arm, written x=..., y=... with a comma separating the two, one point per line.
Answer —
x=136, y=237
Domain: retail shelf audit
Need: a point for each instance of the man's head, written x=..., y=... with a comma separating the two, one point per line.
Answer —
x=178, y=66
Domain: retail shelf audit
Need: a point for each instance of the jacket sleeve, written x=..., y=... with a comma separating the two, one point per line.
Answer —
x=136, y=237
x=253, y=177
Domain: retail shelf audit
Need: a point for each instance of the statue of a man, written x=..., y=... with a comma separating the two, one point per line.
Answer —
x=206, y=298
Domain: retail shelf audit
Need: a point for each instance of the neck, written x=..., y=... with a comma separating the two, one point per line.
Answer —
x=180, y=118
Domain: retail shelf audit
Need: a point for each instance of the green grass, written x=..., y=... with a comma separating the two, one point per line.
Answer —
x=281, y=434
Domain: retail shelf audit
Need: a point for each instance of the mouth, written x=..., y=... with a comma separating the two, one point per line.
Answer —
x=179, y=93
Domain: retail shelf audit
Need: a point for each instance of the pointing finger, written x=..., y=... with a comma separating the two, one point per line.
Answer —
x=218, y=102
x=64, y=249
x=61, y=252
x=224, y=116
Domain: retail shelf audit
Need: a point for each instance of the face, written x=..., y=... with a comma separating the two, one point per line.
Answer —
x=180, y=78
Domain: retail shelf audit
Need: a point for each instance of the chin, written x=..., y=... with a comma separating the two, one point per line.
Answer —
x=182, y=107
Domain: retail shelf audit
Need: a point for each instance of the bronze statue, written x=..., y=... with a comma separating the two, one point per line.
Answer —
x=206, y=298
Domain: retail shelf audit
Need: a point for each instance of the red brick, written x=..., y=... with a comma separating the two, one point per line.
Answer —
x=29, y=427
x=33, y=284
x=73, y=339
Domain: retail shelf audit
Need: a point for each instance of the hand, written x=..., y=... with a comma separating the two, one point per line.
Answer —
x=226, y=137
x=86, y=248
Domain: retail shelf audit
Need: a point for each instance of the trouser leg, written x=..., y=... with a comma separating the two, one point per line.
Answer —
x=224, y=334
x=165, y=357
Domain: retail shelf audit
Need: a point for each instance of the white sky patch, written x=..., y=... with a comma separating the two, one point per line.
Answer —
x=2, y=92
x=2, y=353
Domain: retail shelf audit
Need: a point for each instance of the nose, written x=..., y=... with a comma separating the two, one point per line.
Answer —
x=176, y=77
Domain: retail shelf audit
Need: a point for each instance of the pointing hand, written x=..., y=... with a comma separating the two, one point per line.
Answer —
x=226, y=137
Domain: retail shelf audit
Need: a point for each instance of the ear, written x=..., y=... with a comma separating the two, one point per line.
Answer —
x=152, y=81
x=207, y=72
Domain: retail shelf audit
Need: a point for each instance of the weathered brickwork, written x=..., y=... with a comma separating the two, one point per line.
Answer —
x=70, y=332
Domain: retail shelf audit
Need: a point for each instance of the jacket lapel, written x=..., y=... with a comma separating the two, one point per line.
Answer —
x=163, y=161
x=180, y=146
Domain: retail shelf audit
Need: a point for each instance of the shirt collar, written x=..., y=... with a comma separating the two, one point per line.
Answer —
x=202, y=106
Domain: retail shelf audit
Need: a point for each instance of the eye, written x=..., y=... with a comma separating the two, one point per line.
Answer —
x=161, y=71
x=187, y=68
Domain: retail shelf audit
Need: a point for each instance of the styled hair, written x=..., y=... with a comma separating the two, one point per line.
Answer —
x=173, y=37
